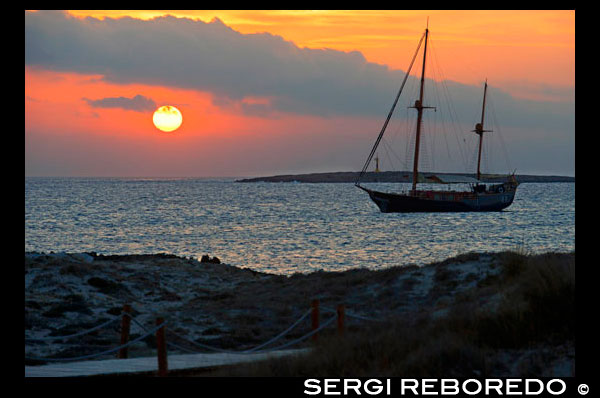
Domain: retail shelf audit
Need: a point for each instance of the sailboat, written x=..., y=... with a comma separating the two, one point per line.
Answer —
x=480, y=197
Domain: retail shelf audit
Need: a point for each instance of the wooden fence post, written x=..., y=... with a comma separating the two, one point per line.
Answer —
x=125, y=325
x=340, y=319
x=315, y=318
x=161, y=349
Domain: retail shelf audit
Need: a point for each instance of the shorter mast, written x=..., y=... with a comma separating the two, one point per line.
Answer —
x=479, y=131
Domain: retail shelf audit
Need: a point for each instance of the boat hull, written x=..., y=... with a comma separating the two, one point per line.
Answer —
x=431, y=201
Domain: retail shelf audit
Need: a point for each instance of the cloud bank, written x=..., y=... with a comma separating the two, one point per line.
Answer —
x=139, y=103
x=212, y=57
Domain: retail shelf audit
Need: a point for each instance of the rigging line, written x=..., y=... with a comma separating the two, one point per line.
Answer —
x=398, y=126
x=434, y=123
x=442, y=113
x=424, y=155
x=434, y=119
x=455, y=122
x=434, y=136
x=474, y=152
x=385, y=147
x=410, y=125
x=445, y=135
x=411, y=140
x=390, y=113
x=456, y=128
x=398, y=158
x=500, y=135
x=486, y=155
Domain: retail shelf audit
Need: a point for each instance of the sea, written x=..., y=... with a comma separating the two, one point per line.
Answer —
x=281, y=228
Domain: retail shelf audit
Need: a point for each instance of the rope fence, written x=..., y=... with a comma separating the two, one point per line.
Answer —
x=359, y=317
x=159, y=331
x=83, y=333
x=248, y=351
x=99, y=353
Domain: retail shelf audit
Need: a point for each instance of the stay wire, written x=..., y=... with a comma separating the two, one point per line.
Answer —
x=370, y=157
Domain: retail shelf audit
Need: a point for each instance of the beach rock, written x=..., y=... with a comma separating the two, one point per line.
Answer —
x=206, y=259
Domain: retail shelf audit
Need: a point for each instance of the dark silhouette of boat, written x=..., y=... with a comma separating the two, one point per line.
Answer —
x=480, y=197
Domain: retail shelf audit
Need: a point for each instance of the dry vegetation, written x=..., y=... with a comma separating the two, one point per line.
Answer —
x=477, y=314
x=528, y=330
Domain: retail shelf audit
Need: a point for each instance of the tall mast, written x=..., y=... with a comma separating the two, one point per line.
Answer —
x=419, y=107
x=364, y=169
x=479, y=131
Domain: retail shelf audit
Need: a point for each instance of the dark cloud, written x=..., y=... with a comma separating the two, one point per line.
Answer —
x=139, y=103
x=211, y=56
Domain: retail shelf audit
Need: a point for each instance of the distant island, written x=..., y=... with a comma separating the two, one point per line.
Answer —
x=391, y=176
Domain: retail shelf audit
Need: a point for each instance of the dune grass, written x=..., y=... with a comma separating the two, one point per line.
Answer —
x=534, y=313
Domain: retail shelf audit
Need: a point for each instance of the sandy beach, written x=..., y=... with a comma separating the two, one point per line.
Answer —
x=236, y=308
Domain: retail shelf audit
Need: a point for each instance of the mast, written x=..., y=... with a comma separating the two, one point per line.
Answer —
x=364, y=169
x=479, y=131
x=419, y=107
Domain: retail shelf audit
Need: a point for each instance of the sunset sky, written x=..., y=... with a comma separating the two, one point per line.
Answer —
x=281, y=92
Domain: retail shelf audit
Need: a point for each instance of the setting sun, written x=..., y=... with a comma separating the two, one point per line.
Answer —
x=167, y=118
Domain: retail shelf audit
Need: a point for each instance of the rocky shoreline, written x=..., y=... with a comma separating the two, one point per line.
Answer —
x=236, y=308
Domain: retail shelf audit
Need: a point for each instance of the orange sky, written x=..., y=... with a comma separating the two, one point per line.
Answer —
x=515, y=49
x=211, y=142
x=53, y=98
x=529, y=54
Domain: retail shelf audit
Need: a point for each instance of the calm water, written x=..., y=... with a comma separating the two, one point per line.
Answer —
x=280, y=227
